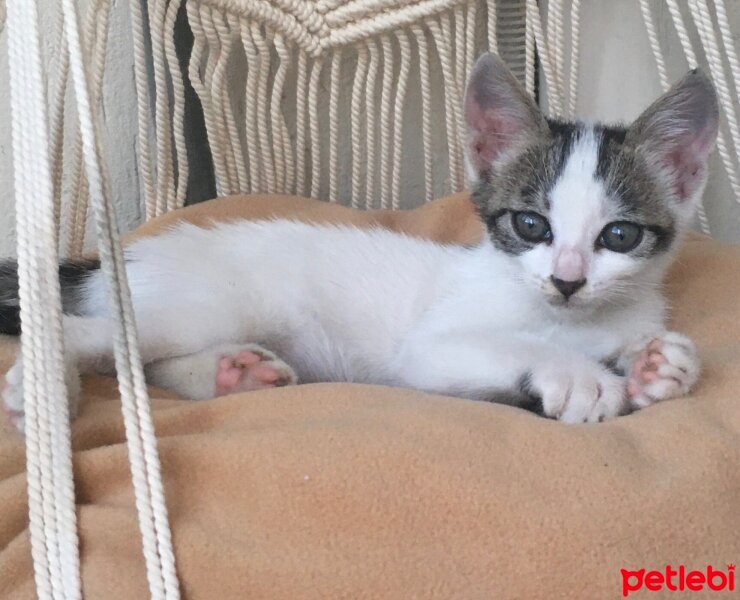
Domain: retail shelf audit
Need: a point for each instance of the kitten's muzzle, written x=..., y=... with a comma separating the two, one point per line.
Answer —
x=567, y=288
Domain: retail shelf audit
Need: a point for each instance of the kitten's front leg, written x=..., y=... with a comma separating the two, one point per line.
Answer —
x=569, y=386
x=659, y=367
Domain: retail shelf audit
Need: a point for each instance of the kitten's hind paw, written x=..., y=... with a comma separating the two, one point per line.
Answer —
x=12, y=395
x=251, y=368
x=667, y=367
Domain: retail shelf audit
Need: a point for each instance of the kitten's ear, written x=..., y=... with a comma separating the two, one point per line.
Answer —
x=676, y=134
x=502, y=118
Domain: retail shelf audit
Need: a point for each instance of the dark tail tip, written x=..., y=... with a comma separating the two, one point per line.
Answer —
x=72, y=276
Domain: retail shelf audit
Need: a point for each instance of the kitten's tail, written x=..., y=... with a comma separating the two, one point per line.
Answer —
x=72, y=277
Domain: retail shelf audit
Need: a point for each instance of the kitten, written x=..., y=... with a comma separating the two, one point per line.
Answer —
x=559, y=308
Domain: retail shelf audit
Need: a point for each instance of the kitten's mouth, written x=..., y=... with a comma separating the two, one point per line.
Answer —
x=571, y=303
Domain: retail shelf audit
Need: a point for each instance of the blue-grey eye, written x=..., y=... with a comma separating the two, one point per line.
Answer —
x=532, y=227
x=620, y=236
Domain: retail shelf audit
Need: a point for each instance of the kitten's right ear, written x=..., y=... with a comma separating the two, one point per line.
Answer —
x=501, y=116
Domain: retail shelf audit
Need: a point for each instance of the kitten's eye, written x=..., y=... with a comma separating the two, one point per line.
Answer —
x=532, y=227
x=620, y=236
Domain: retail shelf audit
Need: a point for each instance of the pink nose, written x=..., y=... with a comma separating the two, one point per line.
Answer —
x=569, y=265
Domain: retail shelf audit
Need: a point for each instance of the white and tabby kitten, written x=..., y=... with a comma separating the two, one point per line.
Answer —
x=559, y=308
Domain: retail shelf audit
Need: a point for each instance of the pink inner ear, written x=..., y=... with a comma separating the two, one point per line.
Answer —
x=492, y=133
x=688, y=163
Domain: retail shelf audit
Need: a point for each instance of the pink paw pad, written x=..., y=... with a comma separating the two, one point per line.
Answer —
x=645, y=368
x=247, y=370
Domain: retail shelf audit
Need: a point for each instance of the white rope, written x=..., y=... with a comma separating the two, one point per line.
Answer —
x=553, y=93
x=178, y=110
x=372, y=73
x=385, y=123
x=663, y=75
x=472, y=14
x=555, y=42
x=426, y=107
x=492, y=26
x=141, y=79
x=56, y=101
x=250, y=106
x=335, y=74
x=403, y=78
x=203, y=26
x=575, y=29
x=300, y=125
x=355, y=122
x=218, y=51
x=450, y=96
x=237, y=165
x=142, y=446
x=702, y=19
x=654, y=43
x=460, y=46
x=52, y=517
x=96, y=37
x=313, y=116
x=261, y=100
x=163, y=137
x=529, y=51
x=277, y=93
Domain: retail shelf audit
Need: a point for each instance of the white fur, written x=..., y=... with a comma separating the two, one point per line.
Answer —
x=344, y=304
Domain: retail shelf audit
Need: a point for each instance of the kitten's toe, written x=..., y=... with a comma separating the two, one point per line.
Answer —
x=252, y=368
x=580, y=393
x=667, y=368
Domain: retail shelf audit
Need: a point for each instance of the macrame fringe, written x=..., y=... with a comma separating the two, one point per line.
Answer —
x=287, y=75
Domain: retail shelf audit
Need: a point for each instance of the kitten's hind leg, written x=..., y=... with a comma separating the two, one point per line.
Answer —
x=87, y=348
x=220, y=370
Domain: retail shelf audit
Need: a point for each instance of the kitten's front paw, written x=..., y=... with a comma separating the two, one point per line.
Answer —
x=578, y=391
x=666, y=367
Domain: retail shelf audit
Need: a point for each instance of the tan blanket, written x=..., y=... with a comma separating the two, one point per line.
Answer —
x=348, y=491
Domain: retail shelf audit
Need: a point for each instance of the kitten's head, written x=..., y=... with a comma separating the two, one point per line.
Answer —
x=587, y=213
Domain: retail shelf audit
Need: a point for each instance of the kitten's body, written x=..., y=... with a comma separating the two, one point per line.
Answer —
x=343, y=304
x=552, y=320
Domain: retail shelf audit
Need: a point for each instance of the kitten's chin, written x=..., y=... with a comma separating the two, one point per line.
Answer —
x=571, y=306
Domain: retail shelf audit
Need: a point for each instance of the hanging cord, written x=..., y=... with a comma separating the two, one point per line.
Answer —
x=705, y=27
x=355, y=123
x=575, y=30
x=56, y=100
x=426, y=107
x=178, y=110
x=548, y=67
x=403, y=78
x=143, y=111
x=647, y=17
x=690, y=55
x=336, y=66
x=51, y=502
x=492, y=26
x=142, y=447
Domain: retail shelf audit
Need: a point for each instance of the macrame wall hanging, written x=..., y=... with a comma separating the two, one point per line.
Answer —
x=322, y=97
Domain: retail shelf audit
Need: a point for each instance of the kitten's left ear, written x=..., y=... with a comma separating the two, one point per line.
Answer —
x=676, y=134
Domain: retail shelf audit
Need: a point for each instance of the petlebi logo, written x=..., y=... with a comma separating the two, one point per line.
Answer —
x=679, y=579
